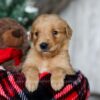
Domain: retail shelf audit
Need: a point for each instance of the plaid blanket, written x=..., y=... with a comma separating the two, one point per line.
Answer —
x=12, y=87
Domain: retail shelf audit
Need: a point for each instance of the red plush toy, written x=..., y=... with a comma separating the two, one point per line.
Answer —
x=13, y=44
x=11, y=53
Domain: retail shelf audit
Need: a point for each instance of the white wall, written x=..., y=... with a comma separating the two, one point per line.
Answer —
x=84, y=18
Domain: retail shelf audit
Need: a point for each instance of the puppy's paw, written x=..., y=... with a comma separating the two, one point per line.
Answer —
x=57, y=83
x=32, y=84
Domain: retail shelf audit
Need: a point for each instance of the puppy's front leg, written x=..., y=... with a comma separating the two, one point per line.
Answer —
x=57, y=78
x=32, y=77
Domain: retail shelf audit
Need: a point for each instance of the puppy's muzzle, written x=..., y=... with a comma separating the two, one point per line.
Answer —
x=44, y=46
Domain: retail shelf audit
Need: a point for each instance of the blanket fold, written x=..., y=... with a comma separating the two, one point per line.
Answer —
x=12, y=87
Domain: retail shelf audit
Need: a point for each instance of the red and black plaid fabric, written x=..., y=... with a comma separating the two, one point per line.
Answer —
x=12, y=87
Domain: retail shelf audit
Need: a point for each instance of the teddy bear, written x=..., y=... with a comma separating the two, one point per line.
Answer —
x=13, y=44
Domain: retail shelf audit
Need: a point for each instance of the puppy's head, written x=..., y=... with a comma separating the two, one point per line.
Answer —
x=50, y=34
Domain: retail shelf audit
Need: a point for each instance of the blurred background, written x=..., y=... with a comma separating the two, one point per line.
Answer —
x=84, y=18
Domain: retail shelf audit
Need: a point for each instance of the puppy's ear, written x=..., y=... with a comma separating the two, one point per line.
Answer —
x=68, y=31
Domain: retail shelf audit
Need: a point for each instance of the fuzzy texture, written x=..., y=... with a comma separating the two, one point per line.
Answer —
x=12, y=35
x=11, y=53
x=53, y=31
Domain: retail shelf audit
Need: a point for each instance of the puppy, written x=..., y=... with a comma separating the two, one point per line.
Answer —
x=50, y=37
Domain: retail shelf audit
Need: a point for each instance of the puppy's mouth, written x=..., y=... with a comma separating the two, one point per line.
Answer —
x=45, y=51
x=50, y=50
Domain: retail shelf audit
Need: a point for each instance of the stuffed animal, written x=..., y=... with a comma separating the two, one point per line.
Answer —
x=13, y=44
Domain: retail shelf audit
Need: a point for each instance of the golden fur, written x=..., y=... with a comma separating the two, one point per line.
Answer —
x=56, y=32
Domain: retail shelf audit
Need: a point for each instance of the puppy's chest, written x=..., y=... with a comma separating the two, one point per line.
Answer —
x=43, y=66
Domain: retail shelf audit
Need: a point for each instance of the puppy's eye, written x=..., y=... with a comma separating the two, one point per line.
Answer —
x=36, y=34
x=55, y=32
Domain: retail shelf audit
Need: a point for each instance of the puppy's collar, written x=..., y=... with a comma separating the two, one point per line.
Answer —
x=11, y=54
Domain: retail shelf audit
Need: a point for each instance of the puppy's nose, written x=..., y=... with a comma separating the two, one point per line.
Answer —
x=44, y=46
x=16, y=33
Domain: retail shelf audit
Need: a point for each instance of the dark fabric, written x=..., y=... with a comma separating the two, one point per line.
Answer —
x=12, y=87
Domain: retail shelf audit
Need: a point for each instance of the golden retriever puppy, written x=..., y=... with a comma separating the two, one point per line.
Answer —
x=50, y=37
